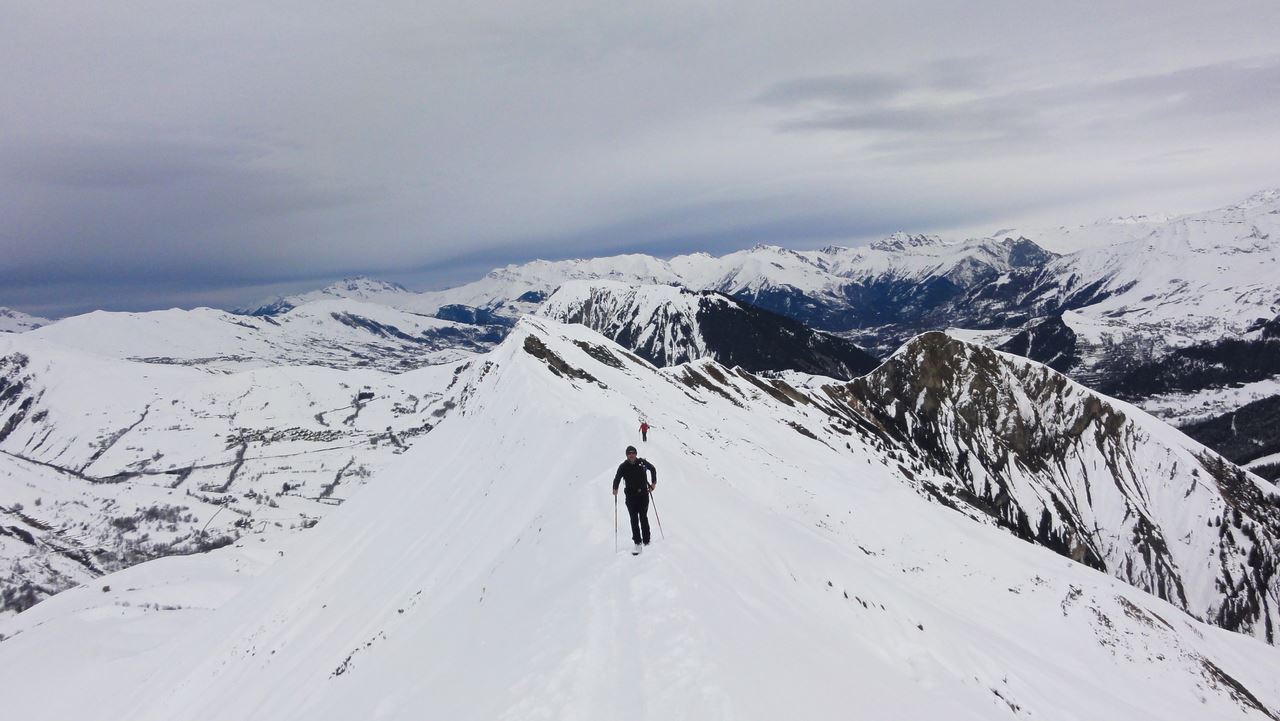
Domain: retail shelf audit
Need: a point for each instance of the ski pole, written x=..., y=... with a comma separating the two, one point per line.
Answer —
x=655, y=515
x=615, y=522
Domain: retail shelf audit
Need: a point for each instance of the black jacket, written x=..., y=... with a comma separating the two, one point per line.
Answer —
x=634, y=473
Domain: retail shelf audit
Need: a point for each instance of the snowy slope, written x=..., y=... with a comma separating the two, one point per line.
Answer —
x=107, y=462
x=1128, y=228
x=15, y=321
x=515, y=290
x=358, y=288
x=1202, y=276
x=1134, y=289
x=667, y=325
x=1064, y=239
x=658, y=322
x=1093, y=478
x=799, y=577
x=330, y=333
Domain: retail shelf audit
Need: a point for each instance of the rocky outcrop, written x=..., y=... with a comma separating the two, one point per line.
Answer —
x=1087, y=476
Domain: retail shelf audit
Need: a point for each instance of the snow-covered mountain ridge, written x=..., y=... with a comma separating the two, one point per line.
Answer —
x=1116, y=297
x=14, y=321
x=358, y=288
x=335, y=333
x=106, y=462
x=668, y=325
x=477, y=579
x=1161, y=282
x=1093, y=478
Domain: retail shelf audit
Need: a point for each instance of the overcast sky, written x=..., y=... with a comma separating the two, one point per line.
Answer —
x=156, y=153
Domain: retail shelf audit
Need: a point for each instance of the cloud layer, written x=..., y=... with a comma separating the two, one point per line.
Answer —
x=155, y=155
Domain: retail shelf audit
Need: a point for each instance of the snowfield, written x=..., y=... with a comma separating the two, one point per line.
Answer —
x=14, y=321
x=337, y=333
x=106, y=462
x=802, y=572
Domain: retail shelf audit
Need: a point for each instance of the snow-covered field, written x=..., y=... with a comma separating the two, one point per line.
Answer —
x=13, y=321
x=337, y=333
x=105, y=462
x=795, y=577
x=1180, y=408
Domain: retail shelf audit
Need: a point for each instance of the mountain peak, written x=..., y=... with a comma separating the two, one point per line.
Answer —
x=900, y=241
x=1270, y=196
x=362, y=284
x=15, y=321
x=359, y=287
x=668, y=325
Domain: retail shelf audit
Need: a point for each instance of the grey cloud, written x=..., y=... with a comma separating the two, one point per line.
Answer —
x=952, y=74
x=156, y=151
x=835, y=88
x=1011, y=121
x=130, y=205
x=119, y=162
x=216, y=168
x=961, y=73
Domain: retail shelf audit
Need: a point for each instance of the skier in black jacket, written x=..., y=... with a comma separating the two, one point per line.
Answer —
x=638, y=488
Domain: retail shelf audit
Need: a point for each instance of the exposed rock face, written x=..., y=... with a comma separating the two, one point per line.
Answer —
x=1050, y=342
x=1089, y=477
x=667, y=326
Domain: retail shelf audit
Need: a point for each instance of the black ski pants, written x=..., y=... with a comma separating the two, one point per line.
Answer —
x=638, y=509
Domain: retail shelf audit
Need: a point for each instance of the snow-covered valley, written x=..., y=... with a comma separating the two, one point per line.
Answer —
x=105, y=462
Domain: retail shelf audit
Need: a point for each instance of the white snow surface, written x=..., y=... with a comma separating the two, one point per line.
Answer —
x=1197, y=277
x=358, y=288
x=1127, y=228
x=1264, y=461
x=659, y=319
x=106, y=461
x=477, y=578
x=15, y=321
x=1181, y=408
x=312, y=334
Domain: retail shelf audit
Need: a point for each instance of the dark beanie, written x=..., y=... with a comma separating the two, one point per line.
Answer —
x=631, y=449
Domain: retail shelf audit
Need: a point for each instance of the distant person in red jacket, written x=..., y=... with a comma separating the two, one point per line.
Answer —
x=644, y=431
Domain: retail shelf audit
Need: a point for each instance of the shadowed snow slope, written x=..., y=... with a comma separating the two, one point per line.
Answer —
x=667, y=325
x=1091, y=477
x=801, y=576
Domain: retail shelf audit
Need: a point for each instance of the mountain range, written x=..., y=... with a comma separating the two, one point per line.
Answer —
x=1177, y=313
x=474, y=576
x=943, y=469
